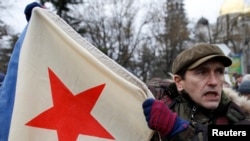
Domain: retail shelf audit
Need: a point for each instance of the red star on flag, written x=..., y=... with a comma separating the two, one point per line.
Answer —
x=70, y=114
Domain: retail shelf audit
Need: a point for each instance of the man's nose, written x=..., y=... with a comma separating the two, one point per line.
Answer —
x=213, y=79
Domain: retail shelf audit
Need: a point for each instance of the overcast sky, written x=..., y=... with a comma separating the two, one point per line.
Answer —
x=203, y=8
x=195, y=9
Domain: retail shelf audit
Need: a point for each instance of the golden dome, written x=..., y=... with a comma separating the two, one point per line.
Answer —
x=235, y=6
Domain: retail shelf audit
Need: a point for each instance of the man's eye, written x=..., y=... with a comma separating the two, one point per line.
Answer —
x=221, y=72
x=200, y=71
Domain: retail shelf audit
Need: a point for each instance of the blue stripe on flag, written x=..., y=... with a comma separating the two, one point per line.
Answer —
x=8, y=89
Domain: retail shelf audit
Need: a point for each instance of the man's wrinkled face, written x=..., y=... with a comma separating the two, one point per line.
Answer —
x=203, y=84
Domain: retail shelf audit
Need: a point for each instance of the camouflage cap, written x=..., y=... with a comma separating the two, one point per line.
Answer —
x=196, y=55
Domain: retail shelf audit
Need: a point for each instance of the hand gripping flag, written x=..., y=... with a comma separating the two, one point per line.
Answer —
x=59, y=87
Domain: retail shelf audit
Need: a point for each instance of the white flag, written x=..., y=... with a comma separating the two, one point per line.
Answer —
x=67, y=90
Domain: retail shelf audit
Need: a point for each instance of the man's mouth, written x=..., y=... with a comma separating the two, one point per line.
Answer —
x=211, y=94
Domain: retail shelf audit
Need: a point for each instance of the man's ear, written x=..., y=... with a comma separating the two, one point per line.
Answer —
x=178, y=81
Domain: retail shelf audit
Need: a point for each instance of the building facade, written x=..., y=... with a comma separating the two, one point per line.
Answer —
x=233, y=29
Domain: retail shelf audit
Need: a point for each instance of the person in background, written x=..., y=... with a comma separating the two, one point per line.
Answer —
x=158, y=85
x=196, y=98
x=238, y=79
x=244, y=88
